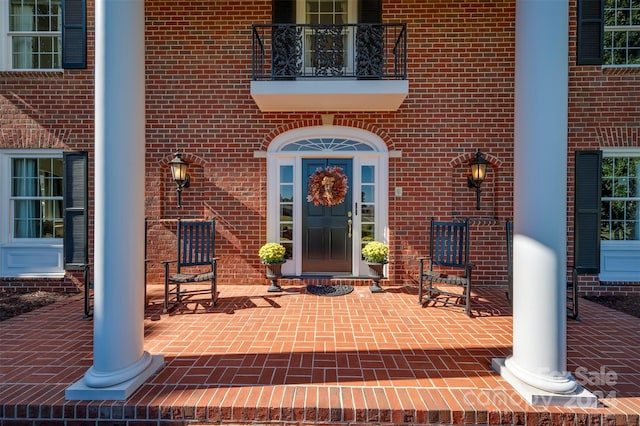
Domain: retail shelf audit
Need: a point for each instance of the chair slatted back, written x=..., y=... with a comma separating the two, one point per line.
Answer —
x=450, y=243
x=196, y=242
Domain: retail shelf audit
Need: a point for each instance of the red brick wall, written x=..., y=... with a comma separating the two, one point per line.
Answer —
x=49, y=110
x=604, y=112
x=460, y=68
x=461, y=98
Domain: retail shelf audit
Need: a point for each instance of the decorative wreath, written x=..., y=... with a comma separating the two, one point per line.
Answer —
x=327, y=187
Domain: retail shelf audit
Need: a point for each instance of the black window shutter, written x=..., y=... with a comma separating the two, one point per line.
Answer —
x=590, y=35
x=369, y=11
x=74, y=34
x=284, y=11
x=588, y=177
x=76, y=253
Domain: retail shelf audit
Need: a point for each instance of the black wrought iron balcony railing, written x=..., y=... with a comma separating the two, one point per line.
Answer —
x=364, y=51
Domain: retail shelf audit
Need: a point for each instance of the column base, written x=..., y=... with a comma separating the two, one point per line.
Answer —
x=80, y=391
x=534, y=396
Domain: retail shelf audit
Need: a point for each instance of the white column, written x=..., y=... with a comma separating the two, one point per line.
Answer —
x=120, y=363
x=538, y=366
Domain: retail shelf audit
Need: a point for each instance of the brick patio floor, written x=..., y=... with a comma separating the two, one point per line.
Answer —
x=297, y=358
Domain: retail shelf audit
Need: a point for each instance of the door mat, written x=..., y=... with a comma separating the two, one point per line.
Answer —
x=330, y=290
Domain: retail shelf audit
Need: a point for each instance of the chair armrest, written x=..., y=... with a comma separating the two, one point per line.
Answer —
x=468, y=268
x=425, y=260
x=166, y=264
x=86, y=268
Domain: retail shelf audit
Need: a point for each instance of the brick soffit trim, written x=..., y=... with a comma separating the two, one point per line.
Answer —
x=322, y=121
x=37, y=138
x=620, y=137
x=464, y=159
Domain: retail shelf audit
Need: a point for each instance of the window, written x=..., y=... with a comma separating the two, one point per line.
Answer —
x=32, y=212
x=368, y=204
x=620, y=215
x=329, y=42
x=286, y=209
x=620, y=219
x=326, y=48
x=44, y=35
x=326, y=12
x=36, y=197
x=622, y=32
x=43, y=212
x=35, y=34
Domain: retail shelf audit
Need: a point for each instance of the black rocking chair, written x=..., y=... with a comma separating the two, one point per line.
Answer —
x=448, y=263
x=195, y=264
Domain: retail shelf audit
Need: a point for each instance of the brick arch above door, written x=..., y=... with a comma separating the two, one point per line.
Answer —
x=356, y=136
x=327, y=123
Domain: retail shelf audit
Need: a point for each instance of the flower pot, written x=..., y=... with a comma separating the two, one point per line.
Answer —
x=273, y=272
x=376, y=272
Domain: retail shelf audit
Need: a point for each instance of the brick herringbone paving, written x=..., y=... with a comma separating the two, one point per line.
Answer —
x=293, y=357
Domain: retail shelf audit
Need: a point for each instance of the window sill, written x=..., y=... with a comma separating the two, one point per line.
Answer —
x=620, y=69
x=30, y=74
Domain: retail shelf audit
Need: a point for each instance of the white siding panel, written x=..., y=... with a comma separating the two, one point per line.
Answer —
x=32, y=261
x=620, y=261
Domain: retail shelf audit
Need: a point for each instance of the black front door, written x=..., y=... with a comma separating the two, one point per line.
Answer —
x=326, y=228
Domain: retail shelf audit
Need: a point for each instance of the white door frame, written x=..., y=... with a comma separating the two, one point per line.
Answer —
x=363, y=147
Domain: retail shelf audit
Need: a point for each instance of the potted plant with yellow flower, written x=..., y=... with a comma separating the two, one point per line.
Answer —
x=272, y=256
x=376, y=254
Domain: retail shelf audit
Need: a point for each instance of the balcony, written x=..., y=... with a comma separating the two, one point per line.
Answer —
x=351, y=67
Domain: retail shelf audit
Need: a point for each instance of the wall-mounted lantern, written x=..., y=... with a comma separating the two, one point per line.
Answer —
x=179, y=169
x=477, y=173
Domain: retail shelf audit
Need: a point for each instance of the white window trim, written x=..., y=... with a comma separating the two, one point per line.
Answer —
x=619, y=28
x=5, y=44
x=620, y=260
x=19, y=257
x=379, y=157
